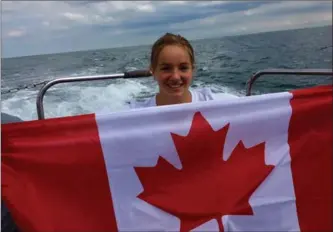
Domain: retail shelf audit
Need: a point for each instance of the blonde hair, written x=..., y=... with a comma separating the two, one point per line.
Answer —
x=170, y=39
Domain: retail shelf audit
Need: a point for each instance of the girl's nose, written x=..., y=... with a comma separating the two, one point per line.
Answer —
x=176, y=74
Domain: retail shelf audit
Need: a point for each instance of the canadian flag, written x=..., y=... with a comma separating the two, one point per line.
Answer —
x=258, y=163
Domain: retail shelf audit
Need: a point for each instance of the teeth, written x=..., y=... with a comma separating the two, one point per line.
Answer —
x=175, y=85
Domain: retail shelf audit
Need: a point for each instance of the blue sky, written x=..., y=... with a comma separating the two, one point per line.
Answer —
x=39, y=27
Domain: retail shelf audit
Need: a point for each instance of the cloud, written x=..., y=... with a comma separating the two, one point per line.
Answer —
x=36, y=27
x=15, y=33
x=268, y=17
x=73, y=16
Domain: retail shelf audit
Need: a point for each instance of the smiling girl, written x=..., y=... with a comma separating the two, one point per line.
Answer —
x=172, y=64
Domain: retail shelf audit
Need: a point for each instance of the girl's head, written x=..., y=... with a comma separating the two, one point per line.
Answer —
x=172, y=64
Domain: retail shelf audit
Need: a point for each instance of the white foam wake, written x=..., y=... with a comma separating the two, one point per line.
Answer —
x=73, y=100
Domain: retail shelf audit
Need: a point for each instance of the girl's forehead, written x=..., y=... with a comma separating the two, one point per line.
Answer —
x=174, y=53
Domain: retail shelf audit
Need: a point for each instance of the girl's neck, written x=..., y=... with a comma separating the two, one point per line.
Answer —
x=162, y=99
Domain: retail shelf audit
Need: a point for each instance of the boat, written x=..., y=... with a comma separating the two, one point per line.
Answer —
x=7, y=223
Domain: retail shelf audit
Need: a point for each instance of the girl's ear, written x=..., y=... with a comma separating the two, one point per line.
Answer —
x=151, y=72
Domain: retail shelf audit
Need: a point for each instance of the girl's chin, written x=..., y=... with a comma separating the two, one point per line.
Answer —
x=177, y=91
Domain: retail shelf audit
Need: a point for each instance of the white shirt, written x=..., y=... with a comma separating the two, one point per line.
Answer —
x=204, y=94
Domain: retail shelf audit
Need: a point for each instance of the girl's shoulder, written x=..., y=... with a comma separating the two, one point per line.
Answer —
x=206, y=94
x=201, y=94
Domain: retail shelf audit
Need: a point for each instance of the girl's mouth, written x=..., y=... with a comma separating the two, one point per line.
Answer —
x=175, y=85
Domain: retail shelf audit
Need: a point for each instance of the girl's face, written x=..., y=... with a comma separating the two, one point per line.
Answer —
x=173, y=71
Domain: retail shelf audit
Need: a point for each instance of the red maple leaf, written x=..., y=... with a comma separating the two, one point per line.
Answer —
x=207, y=187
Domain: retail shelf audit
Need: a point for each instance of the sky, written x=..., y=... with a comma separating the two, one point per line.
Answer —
x=42, y=27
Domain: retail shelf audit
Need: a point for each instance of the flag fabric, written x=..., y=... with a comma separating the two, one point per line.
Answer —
x=258, y=163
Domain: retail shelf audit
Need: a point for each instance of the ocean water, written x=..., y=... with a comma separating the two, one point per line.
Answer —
x=223, y=64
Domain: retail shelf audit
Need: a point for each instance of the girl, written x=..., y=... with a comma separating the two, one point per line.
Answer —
x=172, y=63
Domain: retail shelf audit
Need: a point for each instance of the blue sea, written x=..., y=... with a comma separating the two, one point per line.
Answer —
x=223, y=64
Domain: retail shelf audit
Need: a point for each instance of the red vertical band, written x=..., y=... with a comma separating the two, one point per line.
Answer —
x=54, y=176
x=310, y=140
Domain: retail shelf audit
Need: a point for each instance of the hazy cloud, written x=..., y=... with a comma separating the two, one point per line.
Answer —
x=35, y=27
x=15, y=33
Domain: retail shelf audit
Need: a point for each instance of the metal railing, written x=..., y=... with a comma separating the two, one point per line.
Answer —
x=41, y=93
x=317, y=72
x=146, y=73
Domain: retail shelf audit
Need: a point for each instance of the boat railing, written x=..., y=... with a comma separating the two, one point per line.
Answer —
x=146, y=73
x=303, y=72
x=126, y=75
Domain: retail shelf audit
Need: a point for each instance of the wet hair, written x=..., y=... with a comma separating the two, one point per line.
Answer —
x=170, y=39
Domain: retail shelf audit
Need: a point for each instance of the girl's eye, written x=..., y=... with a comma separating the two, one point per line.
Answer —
x=184, y=68
x=168, y=68
x=165, y=68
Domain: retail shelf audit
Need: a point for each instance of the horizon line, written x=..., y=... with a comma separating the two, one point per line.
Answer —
x=149, y=44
